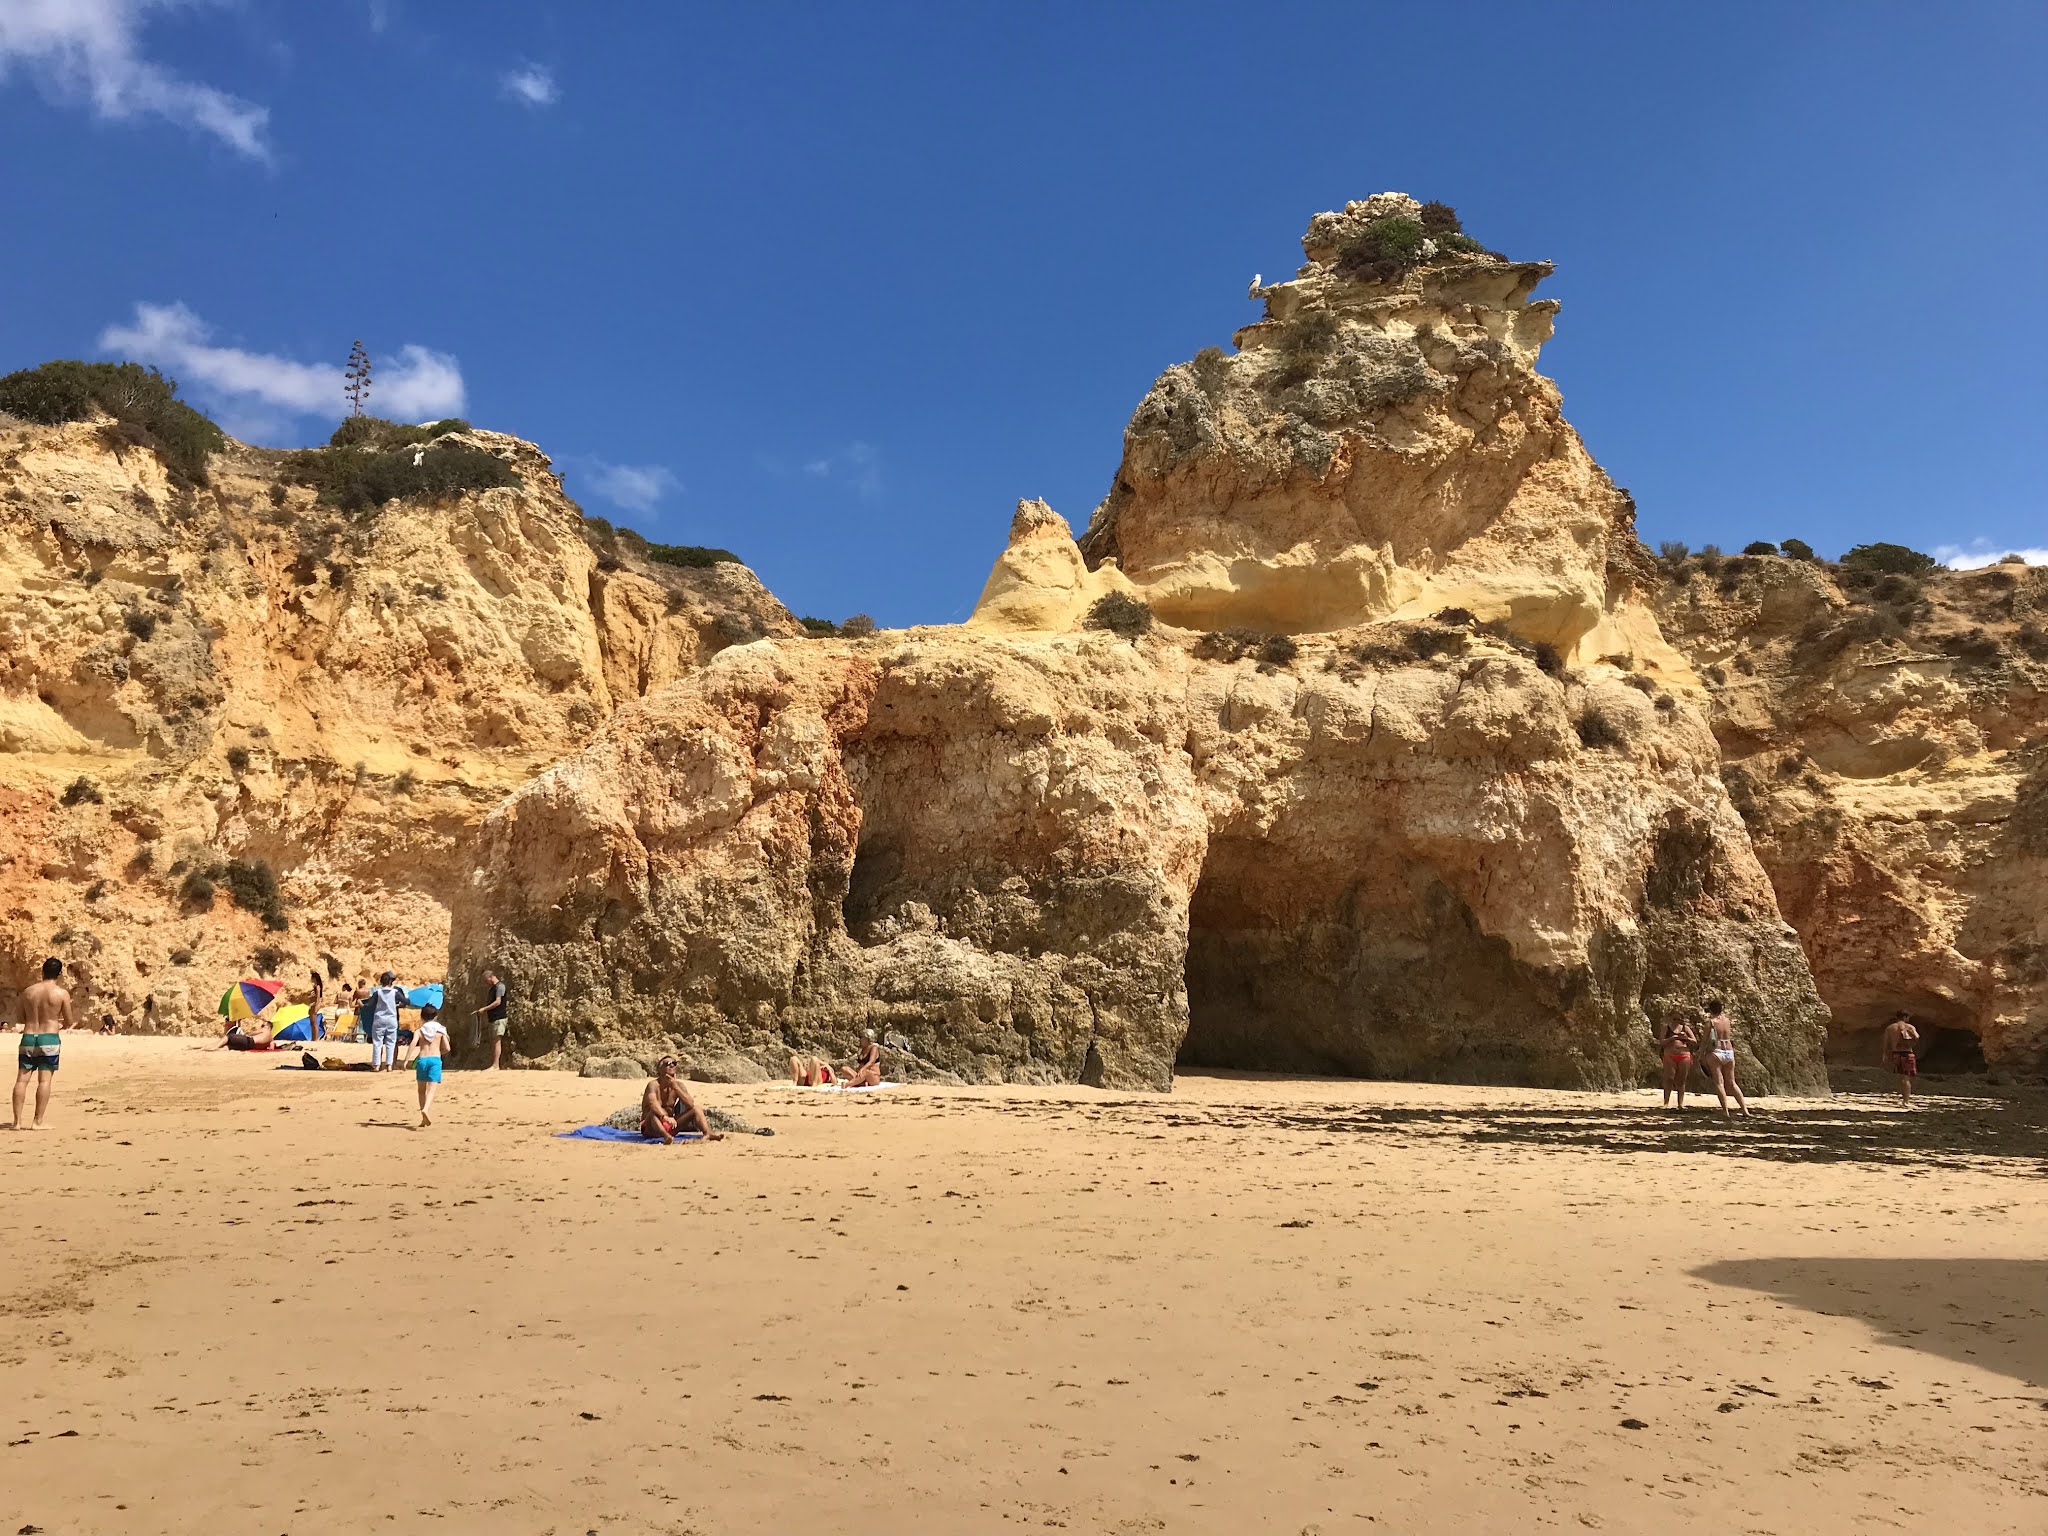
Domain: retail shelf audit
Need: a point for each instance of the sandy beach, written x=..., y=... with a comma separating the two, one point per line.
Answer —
x=241, y=1298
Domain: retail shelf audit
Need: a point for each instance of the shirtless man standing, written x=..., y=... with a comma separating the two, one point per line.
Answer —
x=666, y=1104
x=45, y=1012
x=1901, y=1054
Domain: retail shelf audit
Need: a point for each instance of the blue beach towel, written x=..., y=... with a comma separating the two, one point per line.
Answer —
x=613, y=1133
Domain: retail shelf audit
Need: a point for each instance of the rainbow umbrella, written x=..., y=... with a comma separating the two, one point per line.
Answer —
x=247, y=998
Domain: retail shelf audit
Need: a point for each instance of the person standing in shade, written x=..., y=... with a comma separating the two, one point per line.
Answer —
x=493, y=1014
x=45, y=1014
x=319, y=997
x=385, y=999
x=1901, y=1054
x=427, y=1041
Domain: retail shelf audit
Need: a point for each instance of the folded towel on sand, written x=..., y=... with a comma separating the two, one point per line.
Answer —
x=614, y=1133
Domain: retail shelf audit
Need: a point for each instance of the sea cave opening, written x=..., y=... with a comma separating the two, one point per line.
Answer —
x=1305, y=959
x=1272, y=972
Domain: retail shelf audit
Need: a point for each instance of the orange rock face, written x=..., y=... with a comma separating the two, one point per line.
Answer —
x=1383, y=766
x=1884, y=737
x=207, y=687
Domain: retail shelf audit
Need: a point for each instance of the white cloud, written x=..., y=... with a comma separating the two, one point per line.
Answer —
x=91, y=50
x=858, y=466
x=636, y=487
x=260, y=388
x=1979, y=553
x=531, y=85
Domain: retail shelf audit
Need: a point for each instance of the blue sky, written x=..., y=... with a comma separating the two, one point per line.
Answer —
x=832, y=286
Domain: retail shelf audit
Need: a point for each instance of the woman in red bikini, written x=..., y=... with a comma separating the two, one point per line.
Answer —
x=1676, y=1045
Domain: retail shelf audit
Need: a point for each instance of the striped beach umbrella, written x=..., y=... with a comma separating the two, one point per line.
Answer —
x=247, y=998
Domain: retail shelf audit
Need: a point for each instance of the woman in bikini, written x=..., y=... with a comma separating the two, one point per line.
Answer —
x=1676, y=1045
x=1721, y=1057
x=864, y=1072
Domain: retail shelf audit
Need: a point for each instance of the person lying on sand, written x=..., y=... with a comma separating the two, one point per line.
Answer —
x=666, y=1106
x=1902, y=1053
x=1675, y=1045
x=811, y=1072
x=240, y=1039
x=863, y=1072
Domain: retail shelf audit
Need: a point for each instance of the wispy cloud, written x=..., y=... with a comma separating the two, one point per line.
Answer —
x=857, y=466
x=416, y=384
x=91, y=51
x=1979, y=553
x=531, y=85
x=636, y=487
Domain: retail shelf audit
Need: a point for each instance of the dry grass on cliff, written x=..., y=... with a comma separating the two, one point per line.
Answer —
x=253, y=1299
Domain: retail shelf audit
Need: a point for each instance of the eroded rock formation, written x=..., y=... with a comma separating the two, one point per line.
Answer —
x=239, y=678
x=1887, y=743
x=1404, y=783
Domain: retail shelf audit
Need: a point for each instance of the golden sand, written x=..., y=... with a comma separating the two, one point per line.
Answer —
x=244, y=1299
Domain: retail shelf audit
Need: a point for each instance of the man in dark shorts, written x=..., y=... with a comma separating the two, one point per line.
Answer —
x=1902, y=1053
x=493, y=1015
x=45, y=1013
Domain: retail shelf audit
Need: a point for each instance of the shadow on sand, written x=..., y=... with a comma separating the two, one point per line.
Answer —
x=1983, y=1312
x=1984, y=1133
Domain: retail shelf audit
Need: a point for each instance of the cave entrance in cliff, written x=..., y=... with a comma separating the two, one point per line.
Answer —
x=1259, y=967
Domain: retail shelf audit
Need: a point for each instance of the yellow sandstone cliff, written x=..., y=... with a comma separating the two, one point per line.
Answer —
x=1344, y=740
x=1886, y=740
x=238, y=687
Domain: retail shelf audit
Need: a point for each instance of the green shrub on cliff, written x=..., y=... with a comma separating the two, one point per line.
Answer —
x=691, y=557
x=357, y=479
x=376, y=432
x=1889, y=559
x=1120, y=614
x=141, y=400
x=1383, y=249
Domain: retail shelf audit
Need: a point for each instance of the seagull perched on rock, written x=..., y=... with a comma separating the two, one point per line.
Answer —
x=1255, y=285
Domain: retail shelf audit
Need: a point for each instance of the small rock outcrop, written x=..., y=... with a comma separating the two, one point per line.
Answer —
x=244, y=730
x=1886, y=740
x=1402, y=781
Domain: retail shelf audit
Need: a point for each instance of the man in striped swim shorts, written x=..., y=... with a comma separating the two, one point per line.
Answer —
x=45, y=1011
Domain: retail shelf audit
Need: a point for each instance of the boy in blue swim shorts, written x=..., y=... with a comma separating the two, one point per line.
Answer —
x=427, y=1042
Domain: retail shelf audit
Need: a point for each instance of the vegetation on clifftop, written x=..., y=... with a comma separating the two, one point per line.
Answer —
x=143, y=402
x=357, y=479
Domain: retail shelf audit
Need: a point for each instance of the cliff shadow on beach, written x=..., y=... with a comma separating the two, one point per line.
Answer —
x=2008, y=1135
x=1982, y=1312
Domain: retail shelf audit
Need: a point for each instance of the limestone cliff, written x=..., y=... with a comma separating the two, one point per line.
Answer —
x=238, y=687
x=1405, y=781
x=1887, y=742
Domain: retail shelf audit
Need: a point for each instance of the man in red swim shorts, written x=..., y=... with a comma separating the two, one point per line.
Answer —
x=1901, y=1053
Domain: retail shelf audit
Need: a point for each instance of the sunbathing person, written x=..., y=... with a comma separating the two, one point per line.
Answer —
x=240, y=1039
x=666, y=1106
x=811, y=1072
x=867, y=1071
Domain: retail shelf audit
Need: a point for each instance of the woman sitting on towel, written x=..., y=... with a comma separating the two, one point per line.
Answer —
x=666, y=1106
